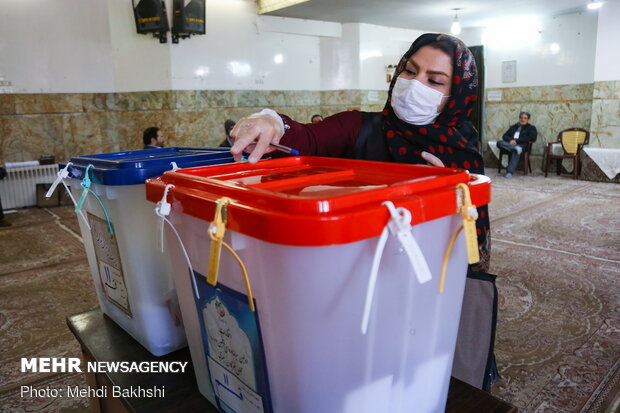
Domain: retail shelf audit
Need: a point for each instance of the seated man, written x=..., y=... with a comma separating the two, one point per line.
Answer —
x=516, y=140
x=153, y=138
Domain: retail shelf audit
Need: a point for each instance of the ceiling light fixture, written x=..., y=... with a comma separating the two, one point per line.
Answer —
x=593, y=5
x=266, y=6
x=456, y=26
x=554, y=47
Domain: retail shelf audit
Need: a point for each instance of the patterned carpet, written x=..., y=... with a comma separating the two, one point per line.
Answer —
x=556, y=251
x=44, y=277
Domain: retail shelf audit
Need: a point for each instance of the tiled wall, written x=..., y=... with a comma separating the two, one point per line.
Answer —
x=66, y=125
x=605, y=124
x=553, y=108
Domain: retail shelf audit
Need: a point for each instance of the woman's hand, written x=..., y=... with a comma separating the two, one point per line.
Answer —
x=254, y=134
x=432, y=160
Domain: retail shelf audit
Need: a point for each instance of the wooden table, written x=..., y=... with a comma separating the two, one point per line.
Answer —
x=102, y=340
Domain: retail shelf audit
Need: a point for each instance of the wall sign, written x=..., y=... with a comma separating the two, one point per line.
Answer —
x=494, y=95
x=509, y=71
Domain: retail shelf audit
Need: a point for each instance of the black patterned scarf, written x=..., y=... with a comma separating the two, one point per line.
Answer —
x=406, y=142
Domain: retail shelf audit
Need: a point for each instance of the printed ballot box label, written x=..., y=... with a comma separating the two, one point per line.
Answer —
x=109, y=264
x=233, y=392
x=233, y=348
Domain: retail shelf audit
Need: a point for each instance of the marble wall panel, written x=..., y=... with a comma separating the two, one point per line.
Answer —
x=220, y=115
x=211, y=131
x=37, y=103
x=103, y=102
x=557, y=116
x=124, y=131
x=191, y=118
x=261, y=98
x=36, y=135
x=204, y=99
x=547, y=93
x=205, y=127
x=379, y=97
x=605, y=125
x=7, y=104
x=607, y=90
x=281, y=98
x=96, y=102
x=81, y=135
x=340, y=97
x=605, y=131
x=297, y=113
x=302, y=98
x=305, y=113
x=90, y=133
x=192, y=128
x=155, y=100
x=10, y=143
x=109, y=135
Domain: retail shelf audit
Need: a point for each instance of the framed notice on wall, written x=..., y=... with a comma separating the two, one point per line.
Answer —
x=509, y=71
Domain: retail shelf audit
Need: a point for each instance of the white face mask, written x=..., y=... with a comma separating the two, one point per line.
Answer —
x=414, y=102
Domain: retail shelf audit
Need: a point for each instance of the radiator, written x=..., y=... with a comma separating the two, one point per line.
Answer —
x=18, y=189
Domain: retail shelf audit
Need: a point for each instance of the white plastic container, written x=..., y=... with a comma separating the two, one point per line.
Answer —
x=130, y=273
x=307, y=230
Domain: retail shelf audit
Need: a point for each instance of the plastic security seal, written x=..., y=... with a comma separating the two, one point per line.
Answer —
x=399, y=225
x=60, y=179
x=162, y=210
x=470, y=215
x=217, y=229
x=86, y=183
x=60, y=176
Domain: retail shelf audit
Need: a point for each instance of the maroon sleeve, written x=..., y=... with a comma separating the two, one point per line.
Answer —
x=335, y=136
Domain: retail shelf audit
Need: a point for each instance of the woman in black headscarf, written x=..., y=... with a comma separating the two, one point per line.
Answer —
x=430, y=97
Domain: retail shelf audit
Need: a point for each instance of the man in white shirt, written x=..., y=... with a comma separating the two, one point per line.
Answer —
x=516, y=141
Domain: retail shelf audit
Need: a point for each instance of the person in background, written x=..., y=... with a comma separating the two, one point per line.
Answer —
x=316, y=118
x=153, y=138
x=516, y=140
x=431, y=95
x=229, y=124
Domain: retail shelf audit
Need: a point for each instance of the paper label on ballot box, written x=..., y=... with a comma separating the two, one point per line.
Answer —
x=232, y=392
x=109, y=264
x=233, y=347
